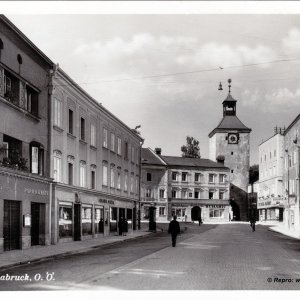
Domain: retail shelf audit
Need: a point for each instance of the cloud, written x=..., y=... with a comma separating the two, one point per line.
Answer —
x=291, y=43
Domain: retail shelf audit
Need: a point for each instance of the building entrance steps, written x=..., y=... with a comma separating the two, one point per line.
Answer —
x=39, y=253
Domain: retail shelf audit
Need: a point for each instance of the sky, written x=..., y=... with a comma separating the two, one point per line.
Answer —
x=162, y=71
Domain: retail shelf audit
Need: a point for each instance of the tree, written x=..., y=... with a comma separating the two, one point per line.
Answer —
x=191, y=149
x=253, y=174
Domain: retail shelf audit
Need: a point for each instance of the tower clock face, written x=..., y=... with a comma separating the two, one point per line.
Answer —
x=233, y=138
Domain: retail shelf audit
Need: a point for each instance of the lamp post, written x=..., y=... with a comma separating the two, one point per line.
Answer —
x=288, y=188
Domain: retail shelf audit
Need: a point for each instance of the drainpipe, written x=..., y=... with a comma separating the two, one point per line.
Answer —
x=140, y=179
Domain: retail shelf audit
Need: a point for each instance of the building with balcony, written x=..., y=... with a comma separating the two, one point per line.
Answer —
x=291, y=171
x=185, y=187
x=95, y=165
x=25, y=184
x=270, y=202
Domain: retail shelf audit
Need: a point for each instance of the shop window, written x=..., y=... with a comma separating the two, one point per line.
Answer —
x=216, y=213
x=71, y=126
x=65, y=221
x=99, y=220
x=36, y=158
x=82, y=129
x=86, y=219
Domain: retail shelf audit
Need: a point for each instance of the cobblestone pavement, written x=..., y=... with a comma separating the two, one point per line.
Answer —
x=209, y=257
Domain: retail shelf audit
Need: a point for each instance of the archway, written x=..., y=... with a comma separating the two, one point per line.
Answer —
x=196, y=213
x=235, y=211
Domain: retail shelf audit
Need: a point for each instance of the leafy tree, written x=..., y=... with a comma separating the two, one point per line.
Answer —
x=191, y=149
x=253, y=174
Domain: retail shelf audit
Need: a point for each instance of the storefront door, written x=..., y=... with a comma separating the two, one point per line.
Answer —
x=12, y=225
x=77, y=222
x=37, y=224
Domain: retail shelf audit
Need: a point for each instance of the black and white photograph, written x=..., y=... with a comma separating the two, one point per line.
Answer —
x=150, y=149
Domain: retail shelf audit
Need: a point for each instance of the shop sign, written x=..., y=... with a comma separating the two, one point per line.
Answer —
x=215, y=206
x=36, y=192
x=27, y=220
x=106, y=201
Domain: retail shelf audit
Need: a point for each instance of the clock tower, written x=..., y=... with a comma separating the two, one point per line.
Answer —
x=230, y=140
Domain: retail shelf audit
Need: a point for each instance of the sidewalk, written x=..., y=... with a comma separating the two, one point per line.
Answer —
x=40, y=253
x=281, y=229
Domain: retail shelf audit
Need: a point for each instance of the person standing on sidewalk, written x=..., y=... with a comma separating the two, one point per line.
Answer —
x=174, y=230
x=252, y=219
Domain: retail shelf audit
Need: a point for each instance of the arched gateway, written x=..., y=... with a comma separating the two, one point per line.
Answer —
x=196, y=213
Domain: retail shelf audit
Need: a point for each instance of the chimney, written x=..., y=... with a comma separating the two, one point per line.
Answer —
x=221, y=159
x=158, y=151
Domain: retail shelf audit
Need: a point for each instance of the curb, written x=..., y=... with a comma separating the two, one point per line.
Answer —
x=284, y=234
x=68, y=253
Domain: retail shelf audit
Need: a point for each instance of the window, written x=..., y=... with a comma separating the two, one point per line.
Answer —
x=211, y=194
x=57, y=110
x=70, y=129
x=183, y=193
x=231, y=153
x=295, y=156
x=270, y=155
x=174, y=194
x=31, y=102
x=70, y=173
x=149, y=177
x=112, y=177
x=222, y=178
x=126, y=150
x=231, y=171
x=184, y=177
x=136, y=184
x=197, y=177
x=132, y=154
x=126, y=182
x=57, y=166
x=36, y=158
x=221, y=194
x=161, y=194
x=104, y=174
x=190, y=195
x=93, y=178
x=162, y=211
x=119, y=181
x=216, y=213
x=93, y=135
x=131, y=184
x=197, y=194
x=148, y=193
x=105, y=138
x=211, y=178
x=112, y=142
x=174, y=176
x=119, y=150
x=82, y=174
x=82, y=129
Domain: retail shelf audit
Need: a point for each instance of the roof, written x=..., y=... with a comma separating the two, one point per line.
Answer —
x=149, y=157
x=230, y=98
x=230, y=123
x=5, y=20
x=192, y=162
x=292, y=124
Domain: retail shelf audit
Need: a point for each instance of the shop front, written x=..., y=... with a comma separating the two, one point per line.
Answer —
x=85, y=215
x=24, y=210
x=270, y=209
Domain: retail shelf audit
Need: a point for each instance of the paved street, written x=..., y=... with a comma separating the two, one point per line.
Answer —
x=226, y=256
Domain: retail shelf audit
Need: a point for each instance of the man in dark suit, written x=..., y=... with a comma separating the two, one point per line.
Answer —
x=174, y=230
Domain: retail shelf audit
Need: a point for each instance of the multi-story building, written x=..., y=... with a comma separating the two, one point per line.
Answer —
x=25, y=186
x=270, y=192
x=291, y=173
x=95, y=165
x=231, y=139
x=185, y=187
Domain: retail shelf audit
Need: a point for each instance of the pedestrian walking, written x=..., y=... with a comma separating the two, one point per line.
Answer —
x=120, y=226
x=125, y=227
x=174, y=230
x=252, y=219
x=200, y=220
